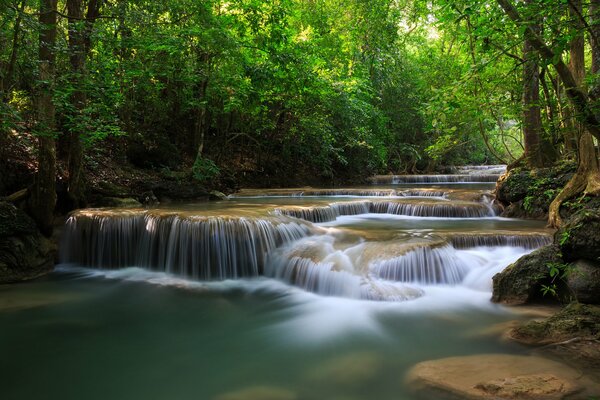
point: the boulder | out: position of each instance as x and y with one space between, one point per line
513 186
24 252
521 282
571 335
498 376
126 202
579 236
574 321
216 195
584 281
259 393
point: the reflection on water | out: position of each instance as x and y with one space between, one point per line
236 300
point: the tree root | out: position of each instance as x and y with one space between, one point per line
586 180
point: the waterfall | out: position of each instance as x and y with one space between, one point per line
190 246
443 210
527 241
315 265
424 265
456 178
440 210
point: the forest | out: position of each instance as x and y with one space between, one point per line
291 92
329 183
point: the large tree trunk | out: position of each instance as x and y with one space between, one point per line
532 120
587 177
77 55
43 196
80 29
579 99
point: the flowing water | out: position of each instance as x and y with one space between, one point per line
275 294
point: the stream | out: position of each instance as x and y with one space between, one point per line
285 294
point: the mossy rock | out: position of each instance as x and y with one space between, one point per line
513 186
521 282
528 193
579 236
575 320
24 252
584 281
127 202
14 221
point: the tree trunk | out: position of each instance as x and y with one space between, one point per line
532 120
80 30
77 55
587 176
6 80
579 99
43 196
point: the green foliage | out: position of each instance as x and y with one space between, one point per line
204 170
556 272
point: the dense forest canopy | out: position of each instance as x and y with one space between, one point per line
300 89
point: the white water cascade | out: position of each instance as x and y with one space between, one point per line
393 249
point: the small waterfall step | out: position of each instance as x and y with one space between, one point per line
194 246
450 209
494 239
310 192
421 179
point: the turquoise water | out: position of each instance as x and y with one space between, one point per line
138 335
131 333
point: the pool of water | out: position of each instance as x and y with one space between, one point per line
133 334
287 328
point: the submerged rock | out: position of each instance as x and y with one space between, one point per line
355 369
24 252
572 335
579 237
574 321
259 393
521 282
497 376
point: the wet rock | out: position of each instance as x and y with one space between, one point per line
584 281
259 393
574 321
127 202
497 376
513 186
216 195
579 237
149 198
24 252
572 335
521 282
528 193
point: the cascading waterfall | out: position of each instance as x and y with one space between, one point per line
526 241
340 193
424 265
281 242
315 265
439 210
456 178
189 246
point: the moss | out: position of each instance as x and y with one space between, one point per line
14 221
522 281
575 320
528 193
